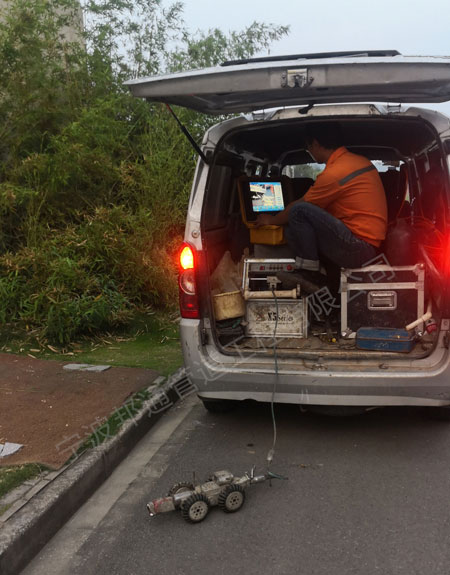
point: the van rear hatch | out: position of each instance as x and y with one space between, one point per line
248 85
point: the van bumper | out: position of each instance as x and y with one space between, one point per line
397 382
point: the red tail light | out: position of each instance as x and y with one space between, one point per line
187 258
186 283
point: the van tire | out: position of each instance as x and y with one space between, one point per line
219 405
336 410
439 413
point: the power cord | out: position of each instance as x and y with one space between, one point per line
271 452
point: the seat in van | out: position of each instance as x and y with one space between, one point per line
298 187
395 186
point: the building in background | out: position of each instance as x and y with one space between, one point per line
71 32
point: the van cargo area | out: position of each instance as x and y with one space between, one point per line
390 308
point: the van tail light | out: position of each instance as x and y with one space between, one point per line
186 282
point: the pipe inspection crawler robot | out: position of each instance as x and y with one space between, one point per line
222 489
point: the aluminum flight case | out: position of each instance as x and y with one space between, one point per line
381 296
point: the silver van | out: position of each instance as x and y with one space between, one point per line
245 336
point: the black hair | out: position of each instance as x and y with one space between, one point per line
329 135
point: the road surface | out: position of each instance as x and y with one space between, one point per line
365 495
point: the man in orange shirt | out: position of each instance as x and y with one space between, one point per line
342 218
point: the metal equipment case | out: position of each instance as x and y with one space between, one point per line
290 317
385 339
285 315
381 296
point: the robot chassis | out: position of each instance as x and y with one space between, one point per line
222 489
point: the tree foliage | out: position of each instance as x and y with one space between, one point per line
94 183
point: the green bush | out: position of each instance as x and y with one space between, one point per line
56 294
86 278
94 184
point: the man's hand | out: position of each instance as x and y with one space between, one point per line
278 219
264 220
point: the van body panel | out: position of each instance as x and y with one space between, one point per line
216 376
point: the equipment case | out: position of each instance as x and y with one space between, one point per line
381 296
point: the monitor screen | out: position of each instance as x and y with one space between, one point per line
266 196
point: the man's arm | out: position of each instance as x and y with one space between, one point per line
278 219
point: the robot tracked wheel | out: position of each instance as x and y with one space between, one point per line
232 498
195 508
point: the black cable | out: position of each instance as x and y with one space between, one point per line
271 452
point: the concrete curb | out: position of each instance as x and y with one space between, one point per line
25 533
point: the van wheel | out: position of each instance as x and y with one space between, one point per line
439 413
336 410
219 405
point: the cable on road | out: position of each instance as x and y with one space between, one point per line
271 452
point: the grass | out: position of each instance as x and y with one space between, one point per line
11 477
150 341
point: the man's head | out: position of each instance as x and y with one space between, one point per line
323 139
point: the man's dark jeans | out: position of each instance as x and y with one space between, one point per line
314 234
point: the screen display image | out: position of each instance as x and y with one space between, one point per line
266 196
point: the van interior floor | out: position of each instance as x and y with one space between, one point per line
321 344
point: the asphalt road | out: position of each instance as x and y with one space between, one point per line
366 495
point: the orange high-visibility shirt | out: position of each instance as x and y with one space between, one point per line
350 189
